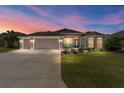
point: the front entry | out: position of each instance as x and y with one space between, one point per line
71 42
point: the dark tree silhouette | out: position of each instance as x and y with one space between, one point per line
9 38
113 44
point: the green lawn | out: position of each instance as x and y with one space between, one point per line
2 50
96 69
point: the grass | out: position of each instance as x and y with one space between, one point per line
2 49
94 70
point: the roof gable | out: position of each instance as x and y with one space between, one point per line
67 31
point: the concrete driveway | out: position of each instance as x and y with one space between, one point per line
31 69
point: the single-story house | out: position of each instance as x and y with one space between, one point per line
64 38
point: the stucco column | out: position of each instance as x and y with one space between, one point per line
32 41
85 40
22 43
61 43
95 42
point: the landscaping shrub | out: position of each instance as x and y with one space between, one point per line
113 44
65 52
16 44
74 51
80 50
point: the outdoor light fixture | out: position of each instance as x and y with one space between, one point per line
60 40
20 40
32 41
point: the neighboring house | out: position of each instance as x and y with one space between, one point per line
119 34
65 38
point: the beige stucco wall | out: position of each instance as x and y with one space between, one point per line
99 42
55 43
26 44
93 42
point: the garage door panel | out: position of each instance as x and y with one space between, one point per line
46 43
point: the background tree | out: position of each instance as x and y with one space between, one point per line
113 44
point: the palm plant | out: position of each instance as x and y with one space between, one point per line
11 37
8 39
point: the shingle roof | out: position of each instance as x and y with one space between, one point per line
67 31
55 33
92 33
64 32
21 34
48 33
119 34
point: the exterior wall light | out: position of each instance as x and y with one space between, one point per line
21 41
60 40
32 41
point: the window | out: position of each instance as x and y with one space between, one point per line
68 42
99 42
91 42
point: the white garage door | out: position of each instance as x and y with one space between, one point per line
47 43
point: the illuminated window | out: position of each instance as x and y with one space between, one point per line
68 42
99 42
91 42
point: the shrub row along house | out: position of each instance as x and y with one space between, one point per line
64 38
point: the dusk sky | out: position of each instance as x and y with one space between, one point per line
29 19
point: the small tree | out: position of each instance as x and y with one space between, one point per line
11 38
113 44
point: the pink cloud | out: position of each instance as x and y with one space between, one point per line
75 20
110 19
38 11
17 20
71 20
24 23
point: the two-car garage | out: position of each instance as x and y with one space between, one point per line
47 43
40 43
